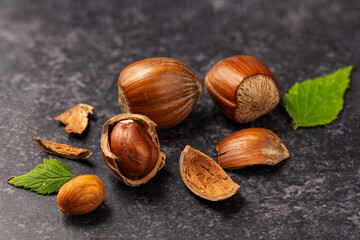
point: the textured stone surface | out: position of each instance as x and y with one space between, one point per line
55 54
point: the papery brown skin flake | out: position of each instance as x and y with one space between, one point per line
63 150
76 118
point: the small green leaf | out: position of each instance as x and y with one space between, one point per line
46 178
318 101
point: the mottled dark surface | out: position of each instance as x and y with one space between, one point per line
55 54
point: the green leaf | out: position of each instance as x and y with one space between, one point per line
318 101
46 178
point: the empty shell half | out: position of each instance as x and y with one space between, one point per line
204 177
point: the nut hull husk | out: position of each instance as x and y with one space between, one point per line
63 150
110 158
76 118
204 177
242 87
249 147
163 89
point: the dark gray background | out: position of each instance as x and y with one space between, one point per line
55 54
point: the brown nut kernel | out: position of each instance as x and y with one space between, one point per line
249 147
163 89
134 148
204 177
81 195
243 88
131 148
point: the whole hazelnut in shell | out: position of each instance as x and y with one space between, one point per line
163 89
131 149
243 88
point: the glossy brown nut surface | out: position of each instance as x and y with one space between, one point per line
137 155
242 87
127 164
249 147
81 195
163 89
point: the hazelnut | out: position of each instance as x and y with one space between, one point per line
80 195
131 149
134 148
249 147
204 177
163 89
243 88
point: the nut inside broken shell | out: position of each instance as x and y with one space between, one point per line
113 162
204 177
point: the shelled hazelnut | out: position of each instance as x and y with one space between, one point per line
81 195
131 148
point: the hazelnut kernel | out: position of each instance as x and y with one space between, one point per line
81 195
136 153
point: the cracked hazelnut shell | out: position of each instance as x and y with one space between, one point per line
127 164
163 89
249 147
243 88
204 177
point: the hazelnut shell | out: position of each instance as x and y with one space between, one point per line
110 159
243 88
249 147
163 89
204 177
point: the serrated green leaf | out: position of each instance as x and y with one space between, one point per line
46 178
318 101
